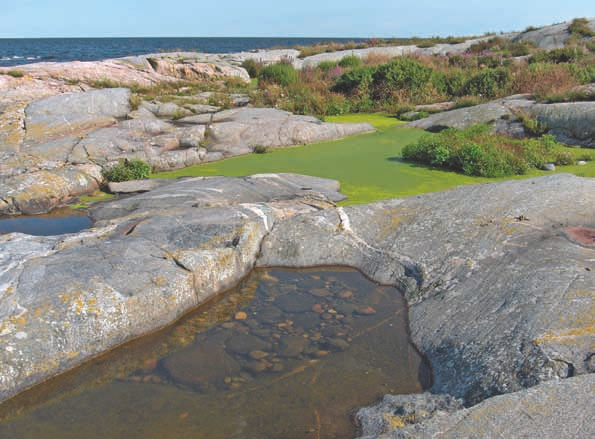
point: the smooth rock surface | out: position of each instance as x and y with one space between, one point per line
65 299
500 297
556 410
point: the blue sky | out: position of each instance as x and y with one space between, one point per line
301 18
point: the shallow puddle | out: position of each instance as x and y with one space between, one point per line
286 354
58 222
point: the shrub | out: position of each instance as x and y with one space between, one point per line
356 81
580 27
557 56
350 61
260 149
478 151
127 170
282 73
252 67
488 83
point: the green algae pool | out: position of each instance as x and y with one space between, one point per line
286 354
368 166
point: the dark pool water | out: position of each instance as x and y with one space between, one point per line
286 354
58 222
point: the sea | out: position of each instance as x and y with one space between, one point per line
19 51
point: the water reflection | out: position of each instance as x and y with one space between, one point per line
58 222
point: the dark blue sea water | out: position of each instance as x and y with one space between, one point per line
29 50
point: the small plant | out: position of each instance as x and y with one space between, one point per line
252 67
15 73
326 66
350 61
260 149
532 127
72 81
104 83
127 170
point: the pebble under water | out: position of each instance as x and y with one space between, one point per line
285 354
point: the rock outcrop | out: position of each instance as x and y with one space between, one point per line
61 143
572 123
151 257
481 267
558 409
499 278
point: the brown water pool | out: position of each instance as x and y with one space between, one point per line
285 354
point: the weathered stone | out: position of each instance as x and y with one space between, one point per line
67 114
128 187
550 37
66 299
572 122
558 409
462 257
243 344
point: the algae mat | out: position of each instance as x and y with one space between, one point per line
368 166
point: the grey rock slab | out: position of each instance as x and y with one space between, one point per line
127 187
238 131
501 113
556 410
71 113
550 37
204 192
498 292
66 299
572 122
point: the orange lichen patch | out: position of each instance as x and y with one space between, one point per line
568 335
582 235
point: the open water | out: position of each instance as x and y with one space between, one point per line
30 50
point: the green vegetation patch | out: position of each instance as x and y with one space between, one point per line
479 152
369 166
127 170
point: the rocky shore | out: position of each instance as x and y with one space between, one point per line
498 278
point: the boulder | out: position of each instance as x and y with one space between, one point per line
480 266
238 131
65 299
571 122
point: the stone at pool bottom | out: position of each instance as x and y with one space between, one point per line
287 388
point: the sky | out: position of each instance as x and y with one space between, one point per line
276 18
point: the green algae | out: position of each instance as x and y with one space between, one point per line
368 166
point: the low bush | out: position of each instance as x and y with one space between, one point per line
580 27
488 83
558 56
479 152
282 73
350 61
127 170
252 67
